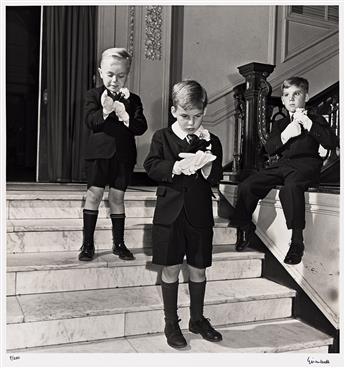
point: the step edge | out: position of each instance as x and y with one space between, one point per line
115 263
226 300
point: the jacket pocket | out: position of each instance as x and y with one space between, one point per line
161 191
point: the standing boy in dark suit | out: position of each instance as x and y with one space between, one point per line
183 218
114 116
296 140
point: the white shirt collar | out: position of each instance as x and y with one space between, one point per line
181 133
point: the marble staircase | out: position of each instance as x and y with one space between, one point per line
57 304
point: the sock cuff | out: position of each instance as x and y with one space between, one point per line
90 212
196 283
117 215
169 285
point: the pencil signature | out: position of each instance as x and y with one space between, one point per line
317 361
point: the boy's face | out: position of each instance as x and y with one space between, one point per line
189 120
293 98
114 73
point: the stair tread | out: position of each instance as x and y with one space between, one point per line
72 304
254 337
104 258
77 224
149 193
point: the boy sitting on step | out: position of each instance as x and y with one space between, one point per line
296 140
114 117
186 160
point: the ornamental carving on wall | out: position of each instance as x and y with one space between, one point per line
153 32
131 29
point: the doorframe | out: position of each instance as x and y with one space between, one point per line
39 99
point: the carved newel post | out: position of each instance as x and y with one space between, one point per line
255 75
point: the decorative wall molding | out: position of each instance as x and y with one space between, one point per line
153 32
301 68
286 23
131 29
272 34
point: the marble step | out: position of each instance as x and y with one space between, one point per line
278 336
44 235
31 273
70 204
76 316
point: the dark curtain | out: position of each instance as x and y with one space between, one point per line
71 55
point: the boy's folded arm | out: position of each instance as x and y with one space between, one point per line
93 113
216 172
156 167
137 121
274 142
322 132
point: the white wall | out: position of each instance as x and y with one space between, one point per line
218 39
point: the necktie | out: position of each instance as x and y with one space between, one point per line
192 138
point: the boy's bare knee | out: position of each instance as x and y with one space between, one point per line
170 273
94 196
116 196
196 274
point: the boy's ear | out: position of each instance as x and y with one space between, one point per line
306 97
100 72
173 111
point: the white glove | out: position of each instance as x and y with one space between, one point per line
107 103
120 111
301 117
292 130
185 166
200 159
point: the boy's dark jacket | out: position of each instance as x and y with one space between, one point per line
110 135
193 192
301 152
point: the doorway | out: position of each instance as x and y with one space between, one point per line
22 84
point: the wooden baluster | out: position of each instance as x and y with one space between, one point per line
255 74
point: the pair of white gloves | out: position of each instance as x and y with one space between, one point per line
192 162
118 107
294 129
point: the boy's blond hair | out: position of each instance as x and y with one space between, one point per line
189 94
118 53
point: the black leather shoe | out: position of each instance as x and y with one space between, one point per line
123 252
295 254
204 328
174 336
87 251
244 238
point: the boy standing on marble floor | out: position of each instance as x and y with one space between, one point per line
296 140
114 116
186 160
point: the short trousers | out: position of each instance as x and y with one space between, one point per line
171 243
101 172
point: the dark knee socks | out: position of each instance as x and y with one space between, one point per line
197 296
90 219
169 293
297 236
118 222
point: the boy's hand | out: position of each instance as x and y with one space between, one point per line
199 159
301 117
107 103
120 111
292 130
185 166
